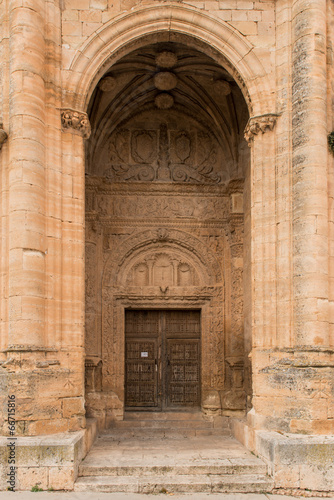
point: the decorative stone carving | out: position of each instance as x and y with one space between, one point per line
91 306
166 59
120 147
144 146
177 240
163 156
167 206
164 101
162 234
330 139
258 124
76 120
163 170
93 374
107 84
3 136
183 146
165 80
162 269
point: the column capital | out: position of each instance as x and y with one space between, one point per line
3 136
260 123
77 121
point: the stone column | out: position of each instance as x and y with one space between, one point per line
27 249
76 128
262 304
260 136
310 181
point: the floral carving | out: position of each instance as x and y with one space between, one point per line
76 120
258 124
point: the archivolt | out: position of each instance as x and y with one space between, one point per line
132 30
158 239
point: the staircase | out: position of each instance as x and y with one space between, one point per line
177 452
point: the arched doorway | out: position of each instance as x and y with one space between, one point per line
165 202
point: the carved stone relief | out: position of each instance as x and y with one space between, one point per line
163 155
156 239
167 206
91 309
3 135
77 121
166 267
162 269
257 124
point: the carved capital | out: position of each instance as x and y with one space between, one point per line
257 124
76 120
3 136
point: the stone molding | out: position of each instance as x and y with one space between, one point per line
77 121
257 124
3 136
236 50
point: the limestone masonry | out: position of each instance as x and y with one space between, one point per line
167 233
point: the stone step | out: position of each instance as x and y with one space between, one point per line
228 483
117 433
162 424
202 467
167 415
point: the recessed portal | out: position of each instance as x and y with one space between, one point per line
165 206
162 360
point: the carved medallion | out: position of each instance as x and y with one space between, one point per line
166 59
164 101
183 146
144 146
120 147
165 80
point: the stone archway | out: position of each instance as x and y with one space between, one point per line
167 153
143 25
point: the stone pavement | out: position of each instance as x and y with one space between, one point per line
45 495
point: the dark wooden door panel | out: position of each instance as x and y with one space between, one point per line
142 324
162 359
182 324
141 374
183 372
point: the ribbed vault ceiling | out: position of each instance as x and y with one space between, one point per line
174 84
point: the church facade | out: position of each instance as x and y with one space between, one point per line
167 227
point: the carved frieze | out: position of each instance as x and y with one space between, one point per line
257 124
206 208
76 121
163 155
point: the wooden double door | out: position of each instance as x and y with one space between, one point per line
162 359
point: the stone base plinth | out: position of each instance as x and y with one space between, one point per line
104 407
295 461
44 462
